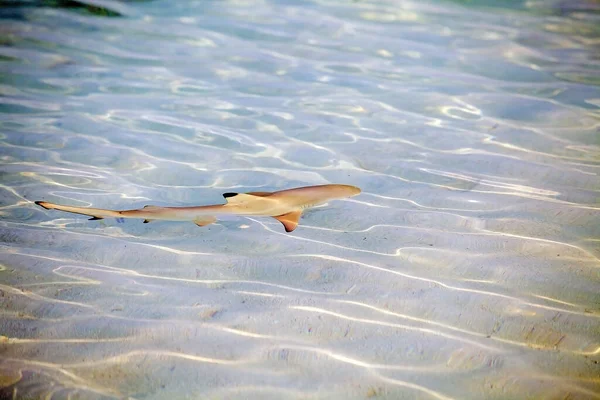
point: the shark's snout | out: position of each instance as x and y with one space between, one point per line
354 190
347 190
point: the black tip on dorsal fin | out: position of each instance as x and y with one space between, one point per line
94 219
229 194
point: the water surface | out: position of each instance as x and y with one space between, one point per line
467 268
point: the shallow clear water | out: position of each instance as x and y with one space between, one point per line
467 268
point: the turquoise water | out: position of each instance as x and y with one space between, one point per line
467 269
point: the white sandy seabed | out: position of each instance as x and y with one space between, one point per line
467 268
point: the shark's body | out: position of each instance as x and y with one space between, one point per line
286 206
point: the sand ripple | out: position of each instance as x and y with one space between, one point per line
467 268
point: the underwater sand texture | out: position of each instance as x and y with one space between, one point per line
468 268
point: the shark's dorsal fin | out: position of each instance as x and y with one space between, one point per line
289 220
239 198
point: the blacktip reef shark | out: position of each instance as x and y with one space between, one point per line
286 206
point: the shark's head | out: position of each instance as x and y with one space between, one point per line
332 192
309 196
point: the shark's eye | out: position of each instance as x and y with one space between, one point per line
229 194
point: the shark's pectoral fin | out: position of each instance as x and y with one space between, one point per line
205 221
289 220
148 220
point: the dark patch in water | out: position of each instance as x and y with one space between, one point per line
13 9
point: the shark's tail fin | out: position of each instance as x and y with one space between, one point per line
95 213
44 205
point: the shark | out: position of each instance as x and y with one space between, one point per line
286 206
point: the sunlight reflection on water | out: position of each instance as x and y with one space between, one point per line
467 268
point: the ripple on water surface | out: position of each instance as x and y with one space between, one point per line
467 268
